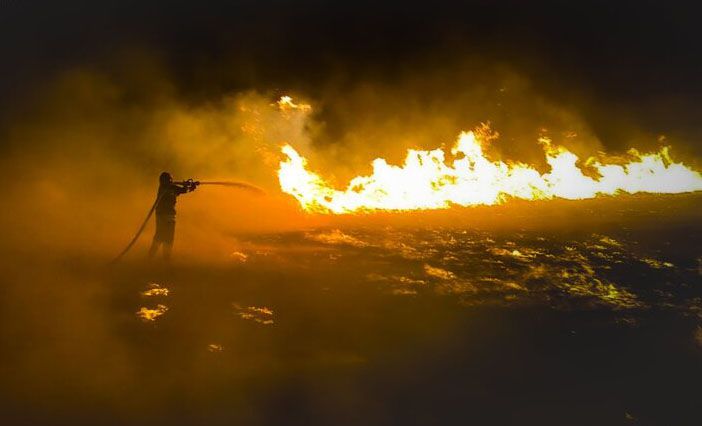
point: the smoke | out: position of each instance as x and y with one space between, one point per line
84 153
81 160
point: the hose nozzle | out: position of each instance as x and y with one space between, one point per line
189 184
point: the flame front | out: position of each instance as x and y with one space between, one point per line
427 181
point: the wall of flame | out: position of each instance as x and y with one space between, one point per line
465 176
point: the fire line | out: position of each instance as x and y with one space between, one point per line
426 180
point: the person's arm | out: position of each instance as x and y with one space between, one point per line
179 189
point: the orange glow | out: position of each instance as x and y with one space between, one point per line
285 103
464 176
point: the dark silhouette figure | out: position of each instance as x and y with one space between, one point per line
165 211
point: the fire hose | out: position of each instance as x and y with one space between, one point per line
190 185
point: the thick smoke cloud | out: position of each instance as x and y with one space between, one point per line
91 142
91 147
99 100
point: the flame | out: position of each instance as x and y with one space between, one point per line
285 103
426 180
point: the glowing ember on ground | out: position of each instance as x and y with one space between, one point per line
155 289
215 347
147 314
465 176
238 256
260 315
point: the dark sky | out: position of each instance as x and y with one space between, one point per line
642 56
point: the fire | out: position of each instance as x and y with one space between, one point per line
285 103
428 180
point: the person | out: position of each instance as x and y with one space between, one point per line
165 211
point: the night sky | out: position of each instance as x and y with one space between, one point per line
640 57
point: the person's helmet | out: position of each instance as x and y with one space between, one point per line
165 178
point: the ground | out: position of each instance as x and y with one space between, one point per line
379 321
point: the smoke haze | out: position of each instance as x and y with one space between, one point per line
276 316
91 141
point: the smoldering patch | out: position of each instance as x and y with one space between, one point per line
147 314
260 315
479 267
155 290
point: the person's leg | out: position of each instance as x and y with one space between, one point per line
169 234
161 236
153 248
167 248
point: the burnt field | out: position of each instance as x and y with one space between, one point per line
373 320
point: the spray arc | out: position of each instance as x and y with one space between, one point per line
192 184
